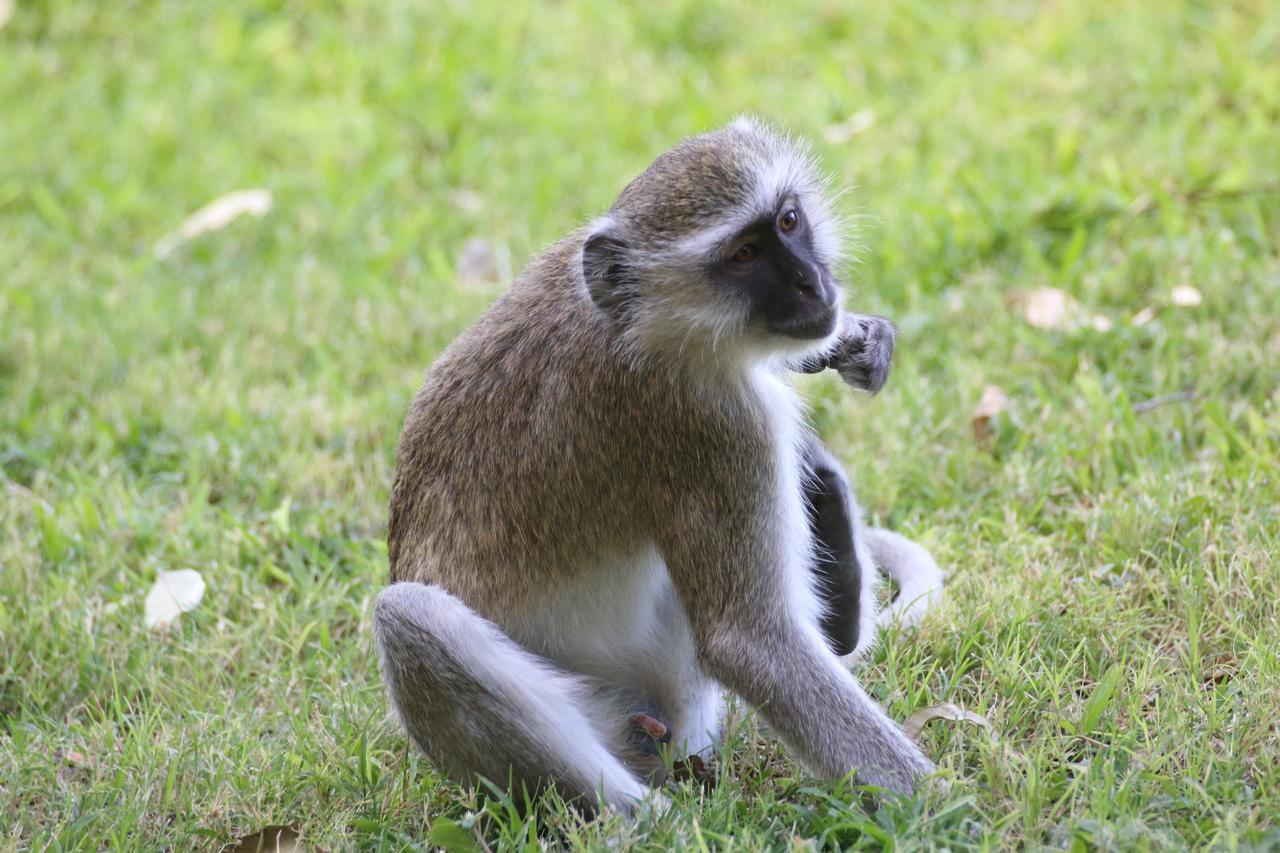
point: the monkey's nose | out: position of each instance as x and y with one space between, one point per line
807 280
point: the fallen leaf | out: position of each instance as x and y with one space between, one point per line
477 262
1222 669
1050 308
468 201
946 711
6 12
1185 296
173 594
993 402
855 125
1145 316
76 758
215 216
269 839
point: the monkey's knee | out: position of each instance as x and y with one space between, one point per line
480 705
411 622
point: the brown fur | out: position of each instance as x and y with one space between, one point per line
535 445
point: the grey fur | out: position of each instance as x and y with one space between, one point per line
597 506
863 355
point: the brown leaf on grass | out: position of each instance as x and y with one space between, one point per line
477 263
468 201
1221 669
215 216
1145 316
75 765
173 594
855 125
76 758
269 839
993 402
946 711
1051 308
1185 296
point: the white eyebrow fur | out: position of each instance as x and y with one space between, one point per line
786 169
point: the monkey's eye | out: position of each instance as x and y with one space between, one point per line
789 219
745 252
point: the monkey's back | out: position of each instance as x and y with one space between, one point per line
520 460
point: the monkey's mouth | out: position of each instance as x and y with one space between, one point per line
811 326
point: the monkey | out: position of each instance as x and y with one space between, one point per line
608 512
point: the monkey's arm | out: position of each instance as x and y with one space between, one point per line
756 634
862 353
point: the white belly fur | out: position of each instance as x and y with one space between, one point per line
622 625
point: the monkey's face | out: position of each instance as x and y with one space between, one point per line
721 249
773 267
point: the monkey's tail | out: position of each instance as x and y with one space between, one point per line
912 568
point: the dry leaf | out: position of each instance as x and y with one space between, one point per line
856 124
173 594
76 758
993 402
1049 308
269 839
477 262
215 216
1185 296
1145 316
468 201
946 711
6 12
1221 669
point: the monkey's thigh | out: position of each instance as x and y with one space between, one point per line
841 568
479 705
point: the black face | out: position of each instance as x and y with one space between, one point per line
772 264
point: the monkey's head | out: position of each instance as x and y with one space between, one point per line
723 247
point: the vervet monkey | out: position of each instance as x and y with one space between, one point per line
608 509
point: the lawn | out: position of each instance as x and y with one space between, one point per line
231 404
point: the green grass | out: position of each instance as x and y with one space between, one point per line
1112 602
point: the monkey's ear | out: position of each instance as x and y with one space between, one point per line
604 264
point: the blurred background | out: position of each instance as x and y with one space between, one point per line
1071 210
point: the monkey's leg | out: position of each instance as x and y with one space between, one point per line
912 568
749 603
478 704
759 643
844 572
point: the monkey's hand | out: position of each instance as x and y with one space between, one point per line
862 353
